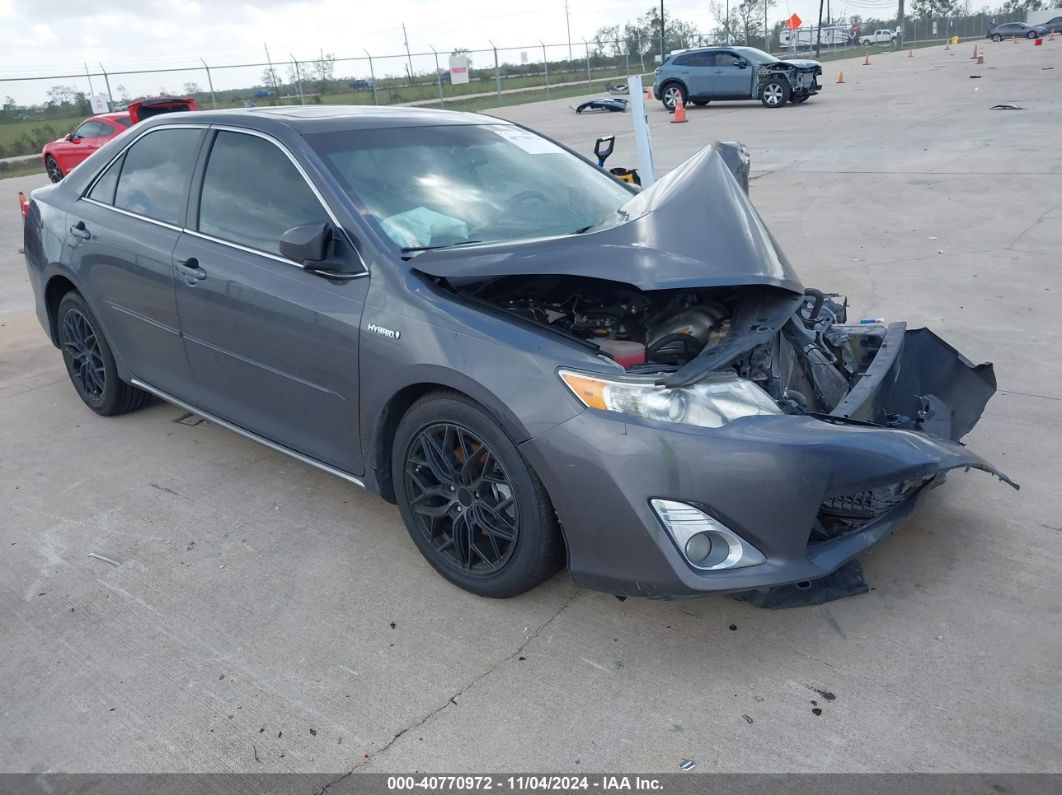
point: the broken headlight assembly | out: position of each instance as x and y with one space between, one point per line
718 399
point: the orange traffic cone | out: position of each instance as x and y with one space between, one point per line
680 112
840 77
974 56
1052 36
866 58
649 93
23 204
980 59
1013 39
910 53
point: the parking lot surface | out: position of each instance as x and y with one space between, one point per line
268 617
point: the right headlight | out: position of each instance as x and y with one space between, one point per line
711 403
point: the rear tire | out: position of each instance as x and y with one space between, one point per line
51 165
473 506
90 363
670 92
996 37
1031 34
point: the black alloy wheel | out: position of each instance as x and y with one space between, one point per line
90 363
462 498
52 167
473 506
84 359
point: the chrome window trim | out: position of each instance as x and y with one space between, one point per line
339 473
195 232
139 217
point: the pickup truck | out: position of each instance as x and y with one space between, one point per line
877 37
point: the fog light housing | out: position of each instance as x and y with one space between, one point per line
706 543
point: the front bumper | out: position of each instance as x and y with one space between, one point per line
809 493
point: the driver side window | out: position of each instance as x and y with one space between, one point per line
727 59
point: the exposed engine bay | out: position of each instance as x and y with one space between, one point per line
809 366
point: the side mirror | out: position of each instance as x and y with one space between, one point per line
70 137
741 64
307 243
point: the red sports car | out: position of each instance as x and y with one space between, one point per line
61 156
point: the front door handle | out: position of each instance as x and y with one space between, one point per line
191 271
79 231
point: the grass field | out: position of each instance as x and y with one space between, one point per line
27 137
21 168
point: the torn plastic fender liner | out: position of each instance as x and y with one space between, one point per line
918 381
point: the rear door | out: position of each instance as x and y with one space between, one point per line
121 239
732 75
273 348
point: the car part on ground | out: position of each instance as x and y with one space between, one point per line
643 372
611 104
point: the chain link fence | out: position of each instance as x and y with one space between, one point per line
35 109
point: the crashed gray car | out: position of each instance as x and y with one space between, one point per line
540 365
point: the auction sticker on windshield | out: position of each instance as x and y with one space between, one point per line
528 141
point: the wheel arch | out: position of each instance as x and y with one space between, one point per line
433 379
57 287
678 81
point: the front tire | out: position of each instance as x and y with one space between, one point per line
775 93
1031 34
473 506
51 165
671 94
90 363
996 37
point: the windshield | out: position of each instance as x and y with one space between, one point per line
430 187
756 56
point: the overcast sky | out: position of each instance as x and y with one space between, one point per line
57 36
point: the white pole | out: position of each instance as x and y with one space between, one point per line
642 142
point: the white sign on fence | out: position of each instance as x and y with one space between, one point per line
459 69
99 103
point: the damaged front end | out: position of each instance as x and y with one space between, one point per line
806 435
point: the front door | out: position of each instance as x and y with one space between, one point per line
273 348
732 75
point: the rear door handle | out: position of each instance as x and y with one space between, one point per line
79 231
191 271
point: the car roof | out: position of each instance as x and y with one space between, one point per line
331 118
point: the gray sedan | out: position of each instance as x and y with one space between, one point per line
540 365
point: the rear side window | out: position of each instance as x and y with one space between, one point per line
699 59
252 193
123 121
103 190
156 172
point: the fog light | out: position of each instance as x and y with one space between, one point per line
705 542
698 548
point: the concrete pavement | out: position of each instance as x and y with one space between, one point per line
264 609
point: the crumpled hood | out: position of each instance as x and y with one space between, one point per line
694 228
801 63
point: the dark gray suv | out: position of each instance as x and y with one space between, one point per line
537 363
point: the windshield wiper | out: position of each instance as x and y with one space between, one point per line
444 245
